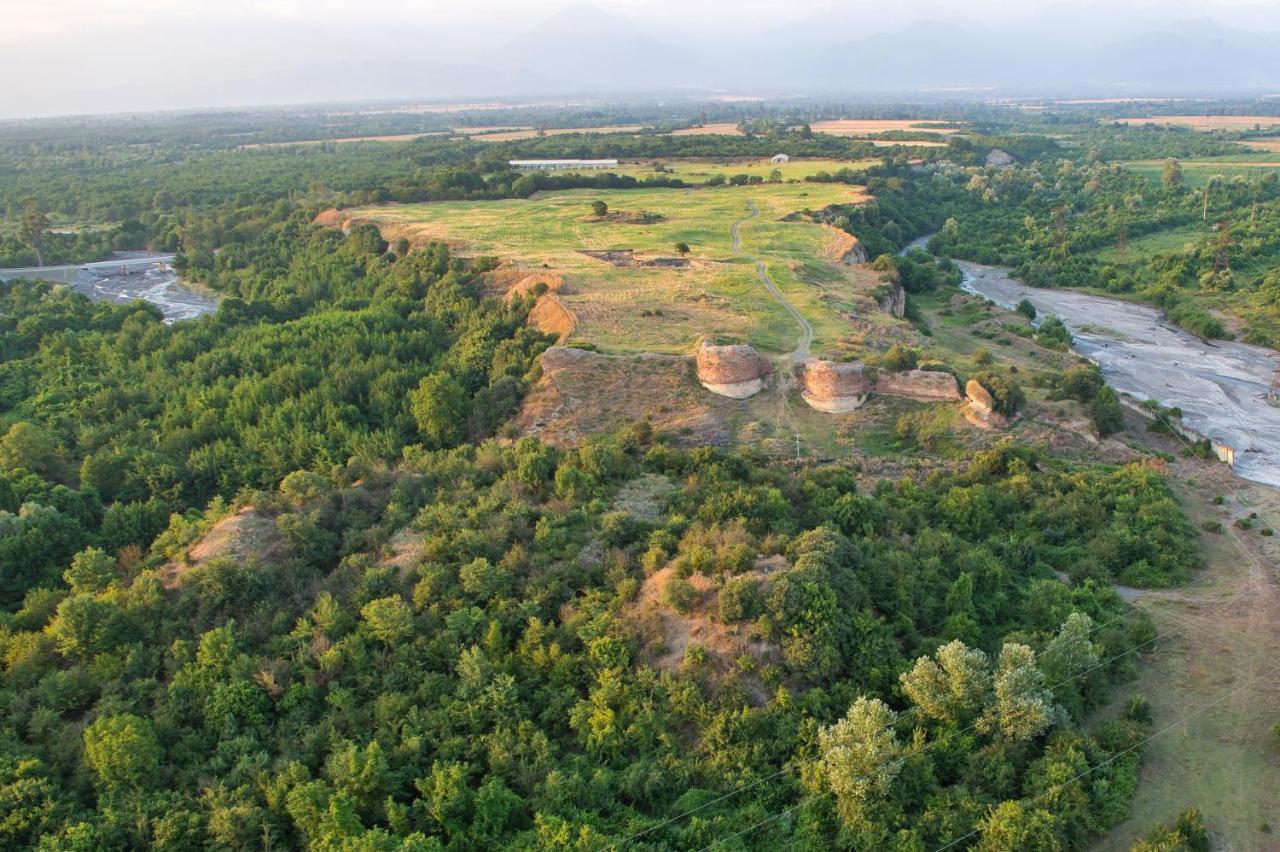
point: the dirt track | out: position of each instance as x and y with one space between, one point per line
801 352
1220 646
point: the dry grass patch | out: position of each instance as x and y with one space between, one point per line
668 636
726 128
1263 144
395 137
856 127
1207 122
531 133
247 534
585 393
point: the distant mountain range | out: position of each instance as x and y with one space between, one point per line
1065 50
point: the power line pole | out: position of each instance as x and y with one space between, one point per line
1273 395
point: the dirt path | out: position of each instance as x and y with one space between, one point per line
1224 634
801 352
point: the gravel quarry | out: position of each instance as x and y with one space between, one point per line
1221 387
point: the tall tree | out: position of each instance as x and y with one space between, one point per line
860 757
32 227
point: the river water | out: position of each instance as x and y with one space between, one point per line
130 276
1221 387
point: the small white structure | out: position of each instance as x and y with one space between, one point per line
560 165
780 159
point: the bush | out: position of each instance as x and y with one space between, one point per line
1108 415
739 600
900 357
1007 396
679 594
1052 334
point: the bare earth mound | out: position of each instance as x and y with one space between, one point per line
331 218
666 634
733 371
584 393
832 387
248 534
551 316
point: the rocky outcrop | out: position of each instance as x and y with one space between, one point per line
998 158
895 301
733 371
981 408
834 387
921 385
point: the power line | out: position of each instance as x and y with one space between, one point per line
904 715
790 766
1139 744
1136 605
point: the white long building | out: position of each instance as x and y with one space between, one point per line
561 165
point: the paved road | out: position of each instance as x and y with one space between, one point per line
801 352
46 271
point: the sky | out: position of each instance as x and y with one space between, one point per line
104 55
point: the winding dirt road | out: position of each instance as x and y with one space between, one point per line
801 352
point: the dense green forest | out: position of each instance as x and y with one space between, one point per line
455 638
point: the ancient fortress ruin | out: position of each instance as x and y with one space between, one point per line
834 387
737 371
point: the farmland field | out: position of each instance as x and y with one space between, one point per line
726 128
698 171
625 305
1198 172
858 127
1272 144
1208 122
531 133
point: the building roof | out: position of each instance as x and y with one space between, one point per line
562 162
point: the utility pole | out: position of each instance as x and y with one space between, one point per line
1273 395
798 434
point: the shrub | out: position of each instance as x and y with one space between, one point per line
679 594
900 357
739 600
1006 396
1052 334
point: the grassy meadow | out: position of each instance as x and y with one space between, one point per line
661 308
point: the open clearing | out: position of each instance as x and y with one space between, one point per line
1272 144
1198 172
1140 248
1207 122
532 133
699 171
857 127
726 128
1223 639
396 137
623 282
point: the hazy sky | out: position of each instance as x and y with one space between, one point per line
140 54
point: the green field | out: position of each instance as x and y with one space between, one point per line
662 308
1198 172
698 171
1140 248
